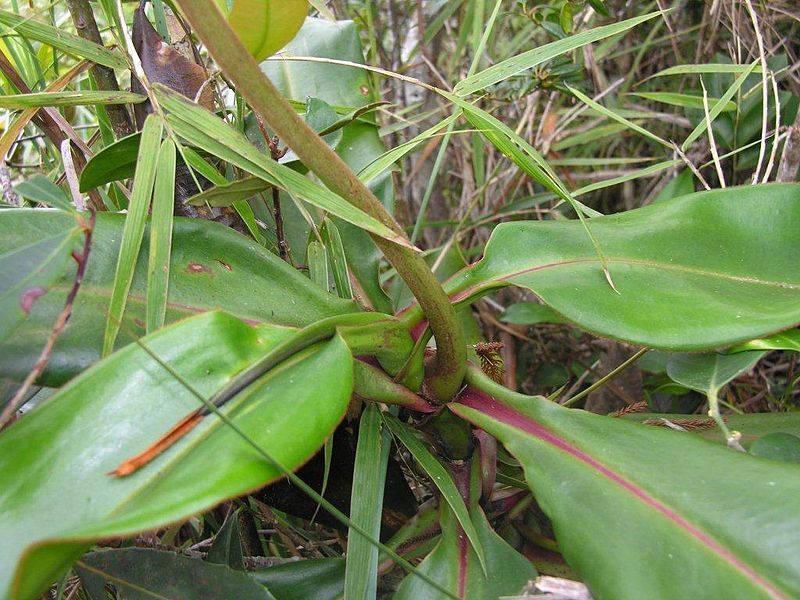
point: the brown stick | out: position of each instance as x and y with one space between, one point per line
104 77
790 158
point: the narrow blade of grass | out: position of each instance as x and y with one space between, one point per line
23 101
161 237
718 107
440 478
682 100
341 274
652 169
206 131
616 117
514 65
361 566
134 228
66 42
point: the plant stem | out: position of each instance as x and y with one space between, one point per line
86 26
240 67
605 379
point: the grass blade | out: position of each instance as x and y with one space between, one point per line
67 42
440 478
616 117
161 237
361 570
203 129
69 98
134 228
527 60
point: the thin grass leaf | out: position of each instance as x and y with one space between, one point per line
161 237
230 192
717 108
527 60
390 157
710 68
317 259
66 42
440 478
204 130
647 171
134 228
13 131
617 117
361 567
341 274
70 98
682 100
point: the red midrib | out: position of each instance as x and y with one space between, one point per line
494 409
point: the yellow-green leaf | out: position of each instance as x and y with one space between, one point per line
266 26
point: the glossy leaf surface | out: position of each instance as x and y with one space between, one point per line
714 523
211 267
454 564
57 497
319 579
707 373
265 26
143 574
701 271
28 270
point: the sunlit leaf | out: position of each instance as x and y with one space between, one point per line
64 449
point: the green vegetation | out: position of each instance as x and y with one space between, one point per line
433 299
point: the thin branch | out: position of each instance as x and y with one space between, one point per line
58 327
104 78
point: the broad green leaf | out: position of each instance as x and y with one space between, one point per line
751 425
443 482
226 548
64 448
206 131
684 100
230 192
319 579
266 26
527 60
57 38
133 231
621 494
40 189
161 237
454 565
777 446
680 185
369 475
81 98
702 271
708 373
530 313
144 574
211 266
28 270
114 162
785 340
